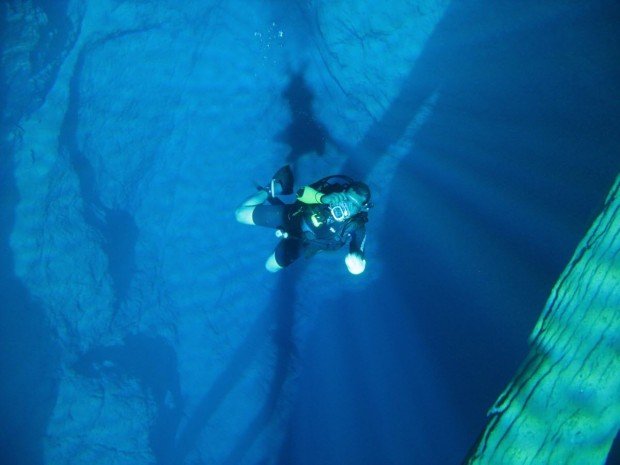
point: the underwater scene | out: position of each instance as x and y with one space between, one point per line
310 232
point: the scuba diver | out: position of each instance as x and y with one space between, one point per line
325 216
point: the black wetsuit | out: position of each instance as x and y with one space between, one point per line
310 228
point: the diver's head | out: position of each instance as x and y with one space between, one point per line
359 197
357 200
360 192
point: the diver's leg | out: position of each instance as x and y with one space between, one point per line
246 209
281 183
286 252
256 199
272 264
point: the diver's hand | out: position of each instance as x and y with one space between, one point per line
334 198
355 263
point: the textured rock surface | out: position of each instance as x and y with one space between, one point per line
145 104
563 406
355 40
129 138
34 45
98 420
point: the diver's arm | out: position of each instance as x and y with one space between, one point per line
358 241
355 261
309 196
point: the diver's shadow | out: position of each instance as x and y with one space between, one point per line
281 308
304 134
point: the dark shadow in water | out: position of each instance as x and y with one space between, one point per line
4 88
519 111
283 303
221 387
116 226
517 114
614 454
244 356
53 36
120 234
152 362
304 134
29 84
29 356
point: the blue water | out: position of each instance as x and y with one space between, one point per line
503 180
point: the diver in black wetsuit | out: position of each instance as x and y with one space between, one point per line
326 215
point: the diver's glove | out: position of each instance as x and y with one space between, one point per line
355 263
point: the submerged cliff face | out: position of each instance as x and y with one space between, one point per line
129 122
135 128
106 219
563 405
32 49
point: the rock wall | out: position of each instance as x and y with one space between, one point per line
563 405
133 126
